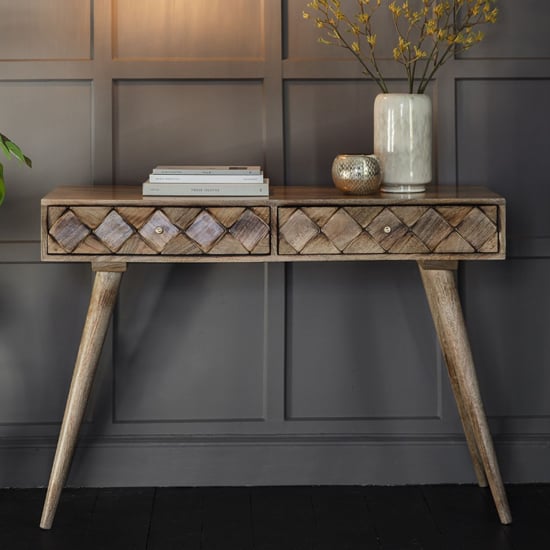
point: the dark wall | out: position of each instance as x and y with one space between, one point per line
253 374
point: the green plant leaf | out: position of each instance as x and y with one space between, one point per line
16 151
4 147
11 150
2 185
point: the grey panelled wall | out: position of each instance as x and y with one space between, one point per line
253 374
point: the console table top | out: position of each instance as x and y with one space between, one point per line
132 194
119 224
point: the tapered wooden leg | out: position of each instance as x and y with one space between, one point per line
440 286
102 301
466 422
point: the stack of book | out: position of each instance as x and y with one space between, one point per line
216 180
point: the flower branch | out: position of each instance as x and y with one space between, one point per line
428 31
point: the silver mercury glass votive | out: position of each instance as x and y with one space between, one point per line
356 174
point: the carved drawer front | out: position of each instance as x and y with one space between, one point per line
452 229
173 231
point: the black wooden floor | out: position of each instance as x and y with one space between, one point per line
298 518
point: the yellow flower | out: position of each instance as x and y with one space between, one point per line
431 27
427 33
439 10
395 9
491 17
403 44
419 53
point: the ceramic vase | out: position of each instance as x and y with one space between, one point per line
403 141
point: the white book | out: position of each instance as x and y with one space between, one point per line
207 169
206 178
206 189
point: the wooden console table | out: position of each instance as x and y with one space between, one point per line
113 226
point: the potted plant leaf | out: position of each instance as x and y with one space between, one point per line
10 149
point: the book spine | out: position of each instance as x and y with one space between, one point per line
209 170
209 189
206 178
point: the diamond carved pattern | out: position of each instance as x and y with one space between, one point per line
113 231
341 229
476 228
249 230
140 230
388 230
241 231
205 230
432 228
299 229
158 231
69 231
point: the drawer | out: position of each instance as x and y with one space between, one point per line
171 231
445 229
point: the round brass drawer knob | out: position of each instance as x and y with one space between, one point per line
387 229
159 230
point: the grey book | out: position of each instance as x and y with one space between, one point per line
207 189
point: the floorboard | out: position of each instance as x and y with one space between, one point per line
121 519
441 517
466 517
402 518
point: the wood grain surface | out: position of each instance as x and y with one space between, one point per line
292 224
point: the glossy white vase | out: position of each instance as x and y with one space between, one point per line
403 141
